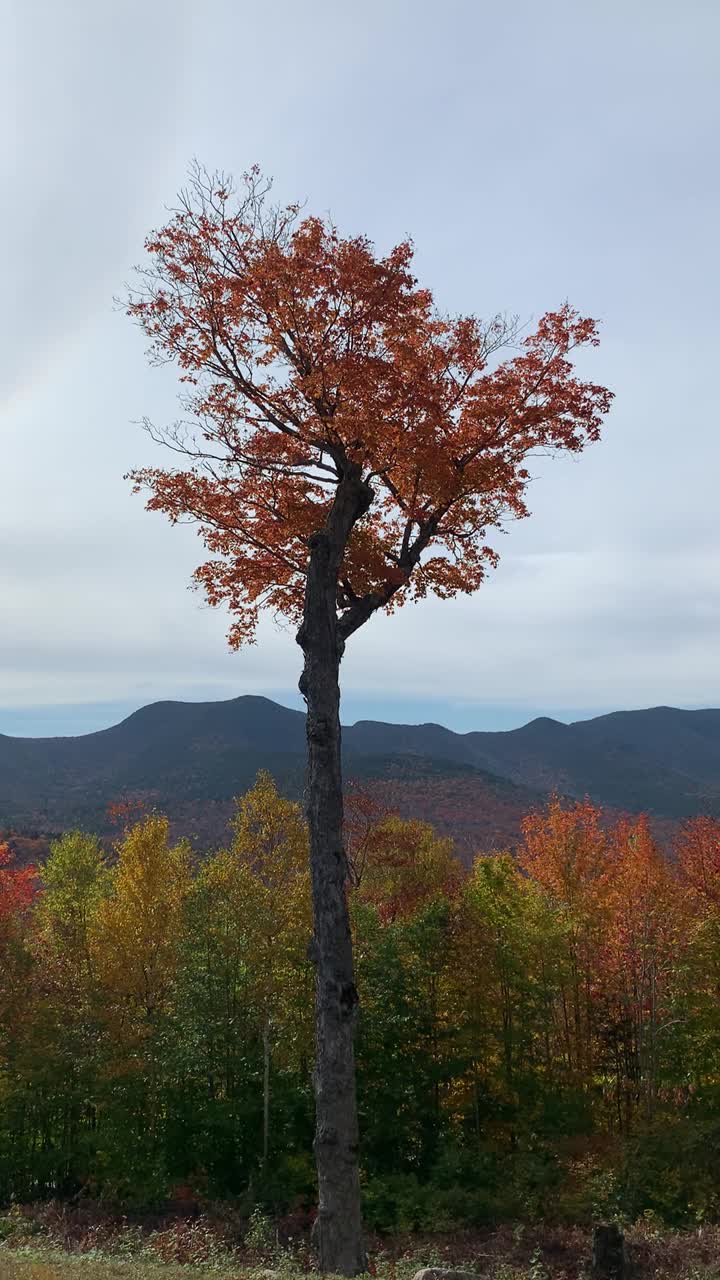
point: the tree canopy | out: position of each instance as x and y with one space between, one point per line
307 356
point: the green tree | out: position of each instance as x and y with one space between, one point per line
135 947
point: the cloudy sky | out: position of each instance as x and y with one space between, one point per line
535 152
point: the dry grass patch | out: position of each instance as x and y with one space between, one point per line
17 1267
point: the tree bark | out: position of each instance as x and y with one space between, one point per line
608 1253
339 1231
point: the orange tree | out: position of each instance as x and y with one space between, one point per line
345 448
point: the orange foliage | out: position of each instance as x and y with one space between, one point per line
698 855
126 811
364 811
646 909
396 863
308 356
17 886
568 852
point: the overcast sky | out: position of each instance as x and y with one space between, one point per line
535 152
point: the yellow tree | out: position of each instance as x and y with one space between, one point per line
136 940
75 880
257 922
137 929
63 1052
493 964
697 860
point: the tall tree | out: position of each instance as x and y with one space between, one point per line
349 449
247 981
66 1030
136 941
567 852
645 942
137 927
265 875
697 859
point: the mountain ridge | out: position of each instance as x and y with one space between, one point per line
188 757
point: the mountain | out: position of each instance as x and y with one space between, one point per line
190 759
663 760
172 754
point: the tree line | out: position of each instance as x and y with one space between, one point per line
538 1035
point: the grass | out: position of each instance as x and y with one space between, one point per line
52 1242
36 1266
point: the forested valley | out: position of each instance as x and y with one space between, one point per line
538 1036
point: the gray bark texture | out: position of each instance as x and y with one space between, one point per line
339 1231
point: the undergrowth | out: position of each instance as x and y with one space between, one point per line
54 1241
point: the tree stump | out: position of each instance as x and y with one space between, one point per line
608 1253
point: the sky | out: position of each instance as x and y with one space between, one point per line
535 153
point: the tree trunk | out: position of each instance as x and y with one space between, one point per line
339 1225
608 1253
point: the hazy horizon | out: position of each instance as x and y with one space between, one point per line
73 721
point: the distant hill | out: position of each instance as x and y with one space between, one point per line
190 759
663 761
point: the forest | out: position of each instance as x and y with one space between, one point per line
537 1039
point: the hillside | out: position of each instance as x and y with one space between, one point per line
662 760
190 759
